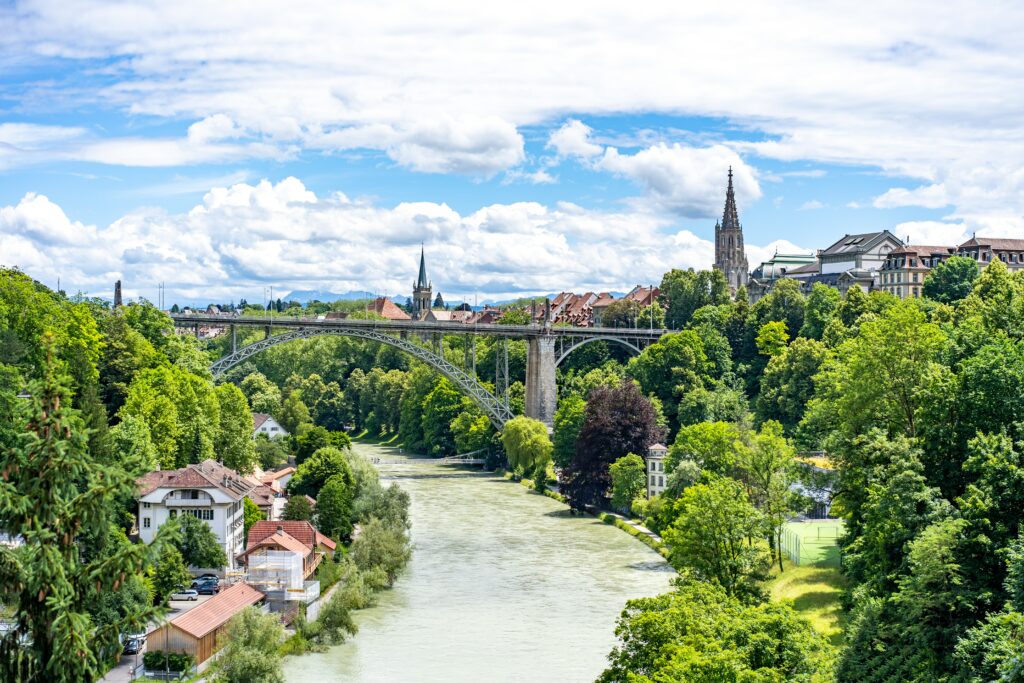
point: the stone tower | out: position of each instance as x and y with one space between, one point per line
421 291
729 255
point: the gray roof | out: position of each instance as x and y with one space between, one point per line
851 244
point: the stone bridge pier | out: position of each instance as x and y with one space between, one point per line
541 391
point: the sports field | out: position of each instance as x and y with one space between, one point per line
813 543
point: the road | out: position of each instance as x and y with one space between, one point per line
122 673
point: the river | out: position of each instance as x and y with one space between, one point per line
504 585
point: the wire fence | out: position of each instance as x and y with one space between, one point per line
815 542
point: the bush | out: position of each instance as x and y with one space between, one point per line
158 660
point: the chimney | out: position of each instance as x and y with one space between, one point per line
280 529
117 294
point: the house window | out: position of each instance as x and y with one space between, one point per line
652 466
915 277
145 522
661 481
913 262
653 480
174 513
273 429
193 495
145 506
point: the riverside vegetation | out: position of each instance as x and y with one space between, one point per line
917 403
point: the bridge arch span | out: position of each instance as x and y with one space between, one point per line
566 350
497 411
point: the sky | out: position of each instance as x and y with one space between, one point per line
530 147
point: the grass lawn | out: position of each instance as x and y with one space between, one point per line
815 592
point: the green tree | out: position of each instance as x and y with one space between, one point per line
618 421
131 438
198 544
293 413
568 421
249 649
714 446
622 313
234 443
698 634
334 508
820 309
169 573
629 480
951 280
718 536
381 547
683 292
769 469
471 429
51 488
270 453
672 366
772 338
788 382
251 514
652 316
312 474
440 407
527 445
263 395
297 508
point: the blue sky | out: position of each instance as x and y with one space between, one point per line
316 148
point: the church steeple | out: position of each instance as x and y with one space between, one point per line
422 296
421 281
730 256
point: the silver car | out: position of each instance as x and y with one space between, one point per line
184 594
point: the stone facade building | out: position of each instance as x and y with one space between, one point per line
984 250
422 291
903 273
656 474
730 257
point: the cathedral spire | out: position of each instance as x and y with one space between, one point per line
730 217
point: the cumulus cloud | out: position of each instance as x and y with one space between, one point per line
757 255
573 140
246 235
931 233
927 196
811 205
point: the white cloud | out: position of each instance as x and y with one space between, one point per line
757 255
811 205
573 140
931 233
686 180
538 177
247 235
928 196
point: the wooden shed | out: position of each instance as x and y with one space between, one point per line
195 632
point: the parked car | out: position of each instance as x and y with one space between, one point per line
206 577
133 646
206 587
184 594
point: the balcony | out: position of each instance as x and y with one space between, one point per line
188 502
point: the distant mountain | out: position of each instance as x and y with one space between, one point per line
505 302
304 296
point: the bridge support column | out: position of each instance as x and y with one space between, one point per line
541 391
234 340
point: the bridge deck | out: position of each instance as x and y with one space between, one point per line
517 331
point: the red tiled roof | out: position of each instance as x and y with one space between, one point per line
280 539
258 419
269 477
263 495
920 250
994 243
386 307
303 531
207 474
218 610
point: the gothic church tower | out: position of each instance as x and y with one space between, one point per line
729 255
421 291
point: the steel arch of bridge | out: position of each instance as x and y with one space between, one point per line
498 412
567 346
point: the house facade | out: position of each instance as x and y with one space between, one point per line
903 273
984 250
208 491
281 559
266 424
866 251
656 474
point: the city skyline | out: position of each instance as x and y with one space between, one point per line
158 145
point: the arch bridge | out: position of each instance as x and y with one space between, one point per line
548 346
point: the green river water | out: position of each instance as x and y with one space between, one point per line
504 585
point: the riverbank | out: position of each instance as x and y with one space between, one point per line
493 571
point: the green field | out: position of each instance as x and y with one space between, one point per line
815 593
813 543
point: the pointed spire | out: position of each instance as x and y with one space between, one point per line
421 281
730 217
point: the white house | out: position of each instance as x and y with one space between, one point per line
656 474
266 424
208 491
867 251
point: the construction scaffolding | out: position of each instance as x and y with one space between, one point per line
275 571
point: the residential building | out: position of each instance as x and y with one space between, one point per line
656 474
266 424
195 632
730 257
866 251
421 291
282 565
984 250
903 273
598 307
644 296
269 500
208 491
278 479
